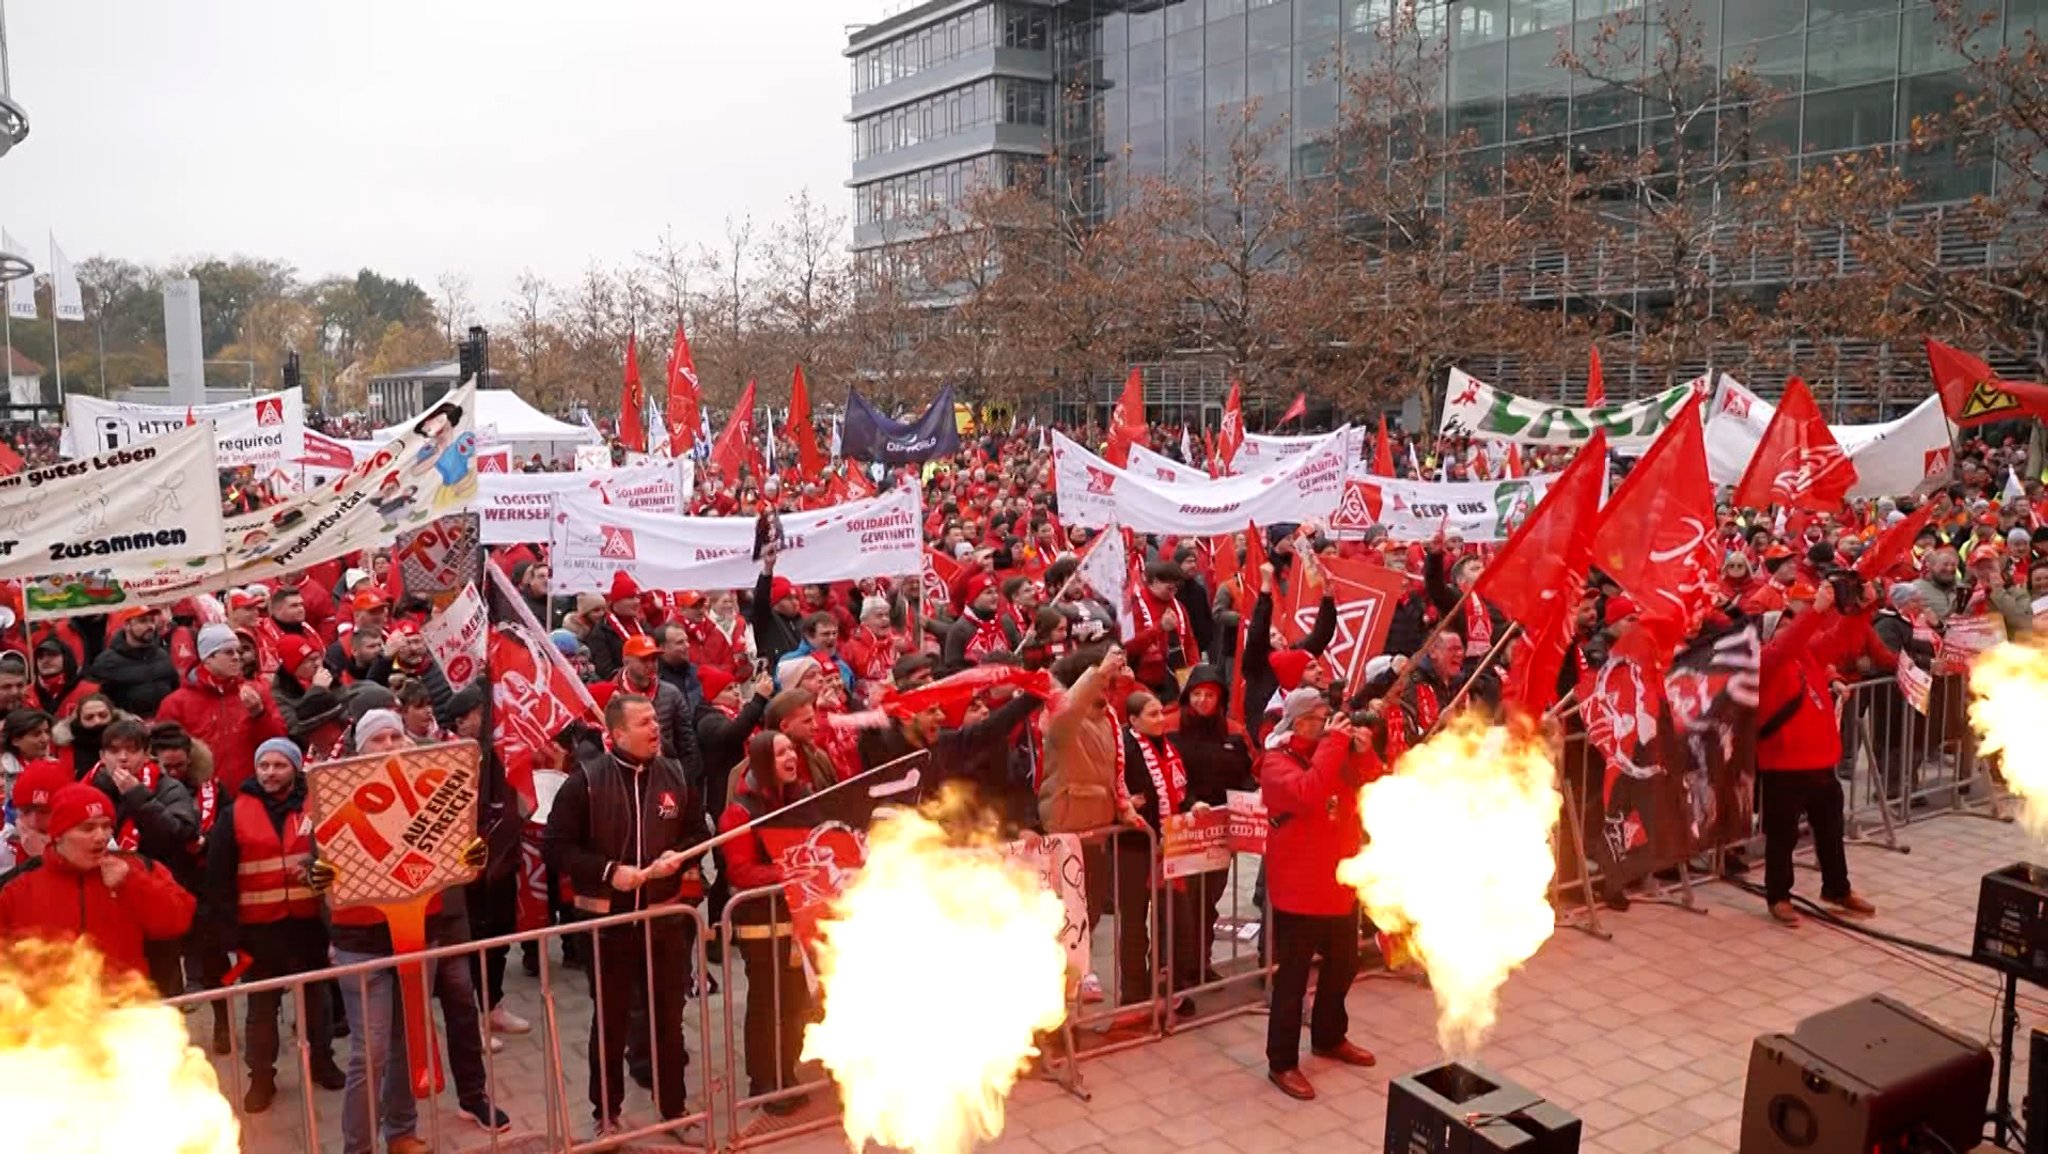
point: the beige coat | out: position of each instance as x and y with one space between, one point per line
1079 791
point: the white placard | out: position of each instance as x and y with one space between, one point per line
263 431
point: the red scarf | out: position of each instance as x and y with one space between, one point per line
1181 643
988 636
1427 708
1169 775
619 626
128 837
1478 627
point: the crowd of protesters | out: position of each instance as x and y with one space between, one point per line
154 760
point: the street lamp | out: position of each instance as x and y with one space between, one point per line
13 118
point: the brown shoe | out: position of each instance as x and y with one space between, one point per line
1351 1054
1293 1083
408 1144
1785 914
1852 904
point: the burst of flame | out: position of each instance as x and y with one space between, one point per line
925 1054
2008 699
88 1065
1459 862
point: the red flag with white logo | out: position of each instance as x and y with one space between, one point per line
1365 594
1126 421
685 399
1798 465
1230 437
1657 537
736 444
1537 578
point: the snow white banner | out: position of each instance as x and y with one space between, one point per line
867 435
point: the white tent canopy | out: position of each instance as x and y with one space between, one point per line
504 418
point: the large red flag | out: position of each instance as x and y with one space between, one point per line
810 460
1383 451
1656 538
1973 395
1365 593
1298 407
1537 578
1596 384
736 442
633 402
685 400
1798 464
1126 421
1231 437
1894 546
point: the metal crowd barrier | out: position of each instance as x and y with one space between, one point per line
1238 979
1900 765
774 948
445 971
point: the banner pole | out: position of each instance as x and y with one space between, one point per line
734 834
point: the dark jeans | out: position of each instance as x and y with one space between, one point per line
276 949
778 1008
1133 885
619 982
1297 940
1785 796
493 913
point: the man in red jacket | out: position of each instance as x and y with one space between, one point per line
216 706
1311 771
80 888
1799 744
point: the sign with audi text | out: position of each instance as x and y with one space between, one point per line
393 825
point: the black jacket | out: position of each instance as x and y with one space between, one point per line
306 709
977 755
166 821
1217 760
722 742
438 690
774 634
1413 616
611 813
1195 609
137 680
1255 667
607 650
1897 634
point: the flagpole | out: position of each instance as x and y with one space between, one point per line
734 834
57 348
1485 663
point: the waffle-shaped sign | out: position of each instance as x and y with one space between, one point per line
394 824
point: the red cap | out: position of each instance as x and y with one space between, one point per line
1801 590
1777 553
978 584
403 627
369 600
641 646
780 588
715 680
74 805
292 652
1620 609
38 784
1288 666
623 587
120 618
688 598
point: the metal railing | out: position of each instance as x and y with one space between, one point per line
1900 765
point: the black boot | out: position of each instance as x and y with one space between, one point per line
327 1075
223 1040
262 1092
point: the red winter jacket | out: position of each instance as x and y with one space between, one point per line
47 899
1798 666
212 711
1311 793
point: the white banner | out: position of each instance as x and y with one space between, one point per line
134 513
455 637
1056 859
1094 493
1261 451
1474 511
66 303
264 431
1157 466
880 537
1892 459
517 507
593 458
1473 408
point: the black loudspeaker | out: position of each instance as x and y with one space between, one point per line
1458 1108
1871 1075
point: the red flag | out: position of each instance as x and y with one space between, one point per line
11 462
810 460
1515 460
1365 593
955 693
1298 407
1126 421
1894 546
1973 395
1383 451
1254 566
684 397
536 691
1231 437
1537 578
1657 536
1798 464
1596 386
190 418
633 402
736 443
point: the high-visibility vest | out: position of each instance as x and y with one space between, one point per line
270 881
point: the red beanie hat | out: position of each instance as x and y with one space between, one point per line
623 587
292 651
978 583
779 588
714 680
38 784
74 805
1620 608
1288 666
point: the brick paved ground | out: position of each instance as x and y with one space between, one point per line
1646 1037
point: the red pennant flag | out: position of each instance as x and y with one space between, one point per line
1596 385
1298 407
1537 578
810 460
1126 421
1973 395
1254 566
1798 464
1230 438
190 418
1657 537
10 461
1514 460
1383 451
633 402
685 399
1894 546
736 442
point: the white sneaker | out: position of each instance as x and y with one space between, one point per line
504 1021
1091 988
497 1044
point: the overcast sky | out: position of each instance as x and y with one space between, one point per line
417 136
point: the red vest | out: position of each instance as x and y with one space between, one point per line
270 882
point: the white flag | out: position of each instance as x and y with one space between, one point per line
2014 491
835 454
67 305
768 443
1104 571
21 293
1187 446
